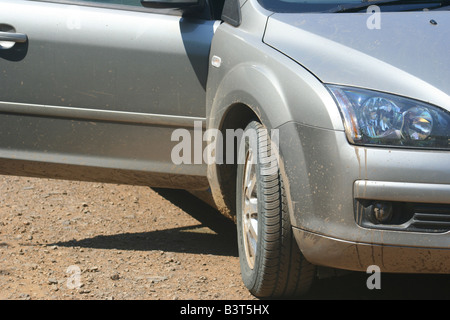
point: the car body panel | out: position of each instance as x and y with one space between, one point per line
322 183
341 49
357 256
100 87
105 59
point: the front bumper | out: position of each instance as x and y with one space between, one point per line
358 256
326 178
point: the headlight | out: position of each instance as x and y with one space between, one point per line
374 118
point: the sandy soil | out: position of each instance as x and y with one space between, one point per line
78 240
66 240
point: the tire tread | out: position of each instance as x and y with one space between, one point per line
284 271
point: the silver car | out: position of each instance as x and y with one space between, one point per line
329 120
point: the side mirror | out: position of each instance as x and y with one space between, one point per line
231 12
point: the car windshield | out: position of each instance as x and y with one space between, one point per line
293 6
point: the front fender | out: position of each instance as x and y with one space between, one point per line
255 87
274 87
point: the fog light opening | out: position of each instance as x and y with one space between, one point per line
381 212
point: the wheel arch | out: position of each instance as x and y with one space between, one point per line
247 92
223 187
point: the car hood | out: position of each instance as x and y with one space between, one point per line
408 55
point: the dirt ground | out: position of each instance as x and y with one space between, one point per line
79 240
66 240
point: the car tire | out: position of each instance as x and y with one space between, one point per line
272 265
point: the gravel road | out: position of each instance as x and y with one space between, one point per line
65 240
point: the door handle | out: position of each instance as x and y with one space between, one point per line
13 37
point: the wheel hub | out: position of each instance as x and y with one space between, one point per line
250 209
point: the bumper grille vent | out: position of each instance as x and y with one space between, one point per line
430 218
414 217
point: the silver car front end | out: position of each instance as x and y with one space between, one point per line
335 188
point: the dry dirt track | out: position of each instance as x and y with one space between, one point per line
77 240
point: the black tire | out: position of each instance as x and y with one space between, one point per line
272 265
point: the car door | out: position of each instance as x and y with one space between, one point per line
100 85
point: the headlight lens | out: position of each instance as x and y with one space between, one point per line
374 118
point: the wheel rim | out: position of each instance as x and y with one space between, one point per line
250 209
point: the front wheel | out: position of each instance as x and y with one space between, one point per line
272 265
